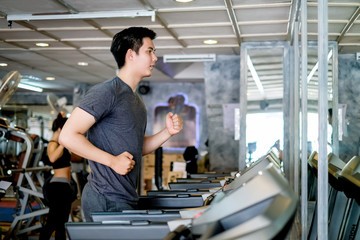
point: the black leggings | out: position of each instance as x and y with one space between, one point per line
60 199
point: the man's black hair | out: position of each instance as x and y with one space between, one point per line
129 38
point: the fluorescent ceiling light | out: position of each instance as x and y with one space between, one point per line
3 64
189 58
29 87
184 1
82 15
315 68
50 78
255 75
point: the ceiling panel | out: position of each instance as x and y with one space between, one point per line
105 5
254 14
203 32
64 35
22 35
188 17
181 29
264 28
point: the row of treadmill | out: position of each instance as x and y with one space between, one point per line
343 198
256 203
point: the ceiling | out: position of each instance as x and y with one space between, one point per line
77 31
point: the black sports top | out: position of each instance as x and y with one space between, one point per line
63 161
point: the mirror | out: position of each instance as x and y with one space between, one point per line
313 96
265 91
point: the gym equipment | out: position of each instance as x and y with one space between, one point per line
267 194
119 230
8 86
267 211
338 202
179 197
208 175
185 180
184 199
169 201
29 194
177 191
175 198
200 185
349 177
151 215
184 213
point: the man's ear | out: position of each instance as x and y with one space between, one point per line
130 54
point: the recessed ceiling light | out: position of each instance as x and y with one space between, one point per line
184 1
210 41
83 63
3 64
42 44
50 78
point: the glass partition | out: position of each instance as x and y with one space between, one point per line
313 94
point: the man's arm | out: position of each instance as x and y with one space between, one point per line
174 124
73 138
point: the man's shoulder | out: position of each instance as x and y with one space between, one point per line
105 86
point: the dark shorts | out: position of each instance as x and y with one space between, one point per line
91 201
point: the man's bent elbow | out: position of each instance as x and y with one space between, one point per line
62 139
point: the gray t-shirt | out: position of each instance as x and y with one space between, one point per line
120 116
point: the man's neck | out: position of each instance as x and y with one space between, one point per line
128 78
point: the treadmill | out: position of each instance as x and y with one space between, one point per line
232 207
171 201
337 199
267 211
177 191
203 184
178 198
350 179
185 212
209 175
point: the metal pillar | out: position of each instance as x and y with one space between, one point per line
335 101
304 120
287 159
322 205
243 107
296 154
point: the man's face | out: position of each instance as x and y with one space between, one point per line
145 60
